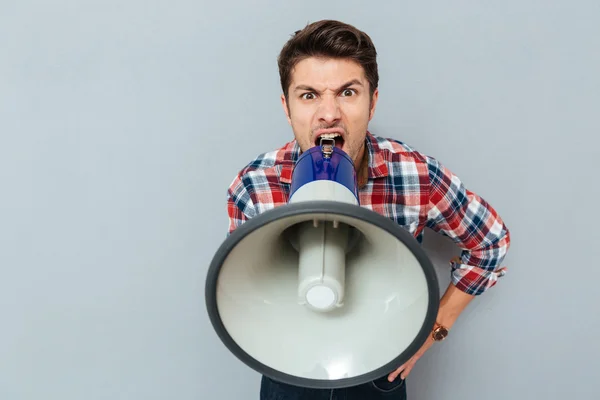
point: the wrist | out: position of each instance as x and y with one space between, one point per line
439 332
452 304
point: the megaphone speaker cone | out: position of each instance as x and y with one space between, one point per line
322 293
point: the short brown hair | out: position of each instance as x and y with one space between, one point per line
328 38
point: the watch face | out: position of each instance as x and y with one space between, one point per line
440 333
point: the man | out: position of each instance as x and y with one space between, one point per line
329 80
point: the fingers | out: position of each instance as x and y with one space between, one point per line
402 371
394 375
407 371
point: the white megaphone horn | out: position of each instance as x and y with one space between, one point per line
322 292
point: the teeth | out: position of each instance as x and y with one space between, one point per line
330 135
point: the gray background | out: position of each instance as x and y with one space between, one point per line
123 122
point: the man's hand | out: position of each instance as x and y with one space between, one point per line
405 369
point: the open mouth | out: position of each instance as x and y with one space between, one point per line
330 139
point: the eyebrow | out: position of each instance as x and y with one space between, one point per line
344 86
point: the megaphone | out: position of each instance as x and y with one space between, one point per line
322 292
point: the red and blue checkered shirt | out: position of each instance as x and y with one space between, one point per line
411 188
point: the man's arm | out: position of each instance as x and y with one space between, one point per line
478 230
473 224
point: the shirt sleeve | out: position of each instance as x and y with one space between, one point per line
240 206
472 224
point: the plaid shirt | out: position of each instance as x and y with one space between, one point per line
412 189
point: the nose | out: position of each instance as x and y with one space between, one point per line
329 110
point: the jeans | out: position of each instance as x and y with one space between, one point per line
379 389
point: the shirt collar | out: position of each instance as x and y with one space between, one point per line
376 163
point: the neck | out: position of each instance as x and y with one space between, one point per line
362 166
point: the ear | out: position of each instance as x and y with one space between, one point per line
286 109
373 103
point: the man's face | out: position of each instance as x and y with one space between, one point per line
330 97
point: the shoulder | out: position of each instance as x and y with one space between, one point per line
269 163
262 174
402 159
266 162
393 150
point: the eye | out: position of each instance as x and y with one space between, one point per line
348 92
307 96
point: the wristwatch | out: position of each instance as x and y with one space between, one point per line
439 332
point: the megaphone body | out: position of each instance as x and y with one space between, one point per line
322 292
